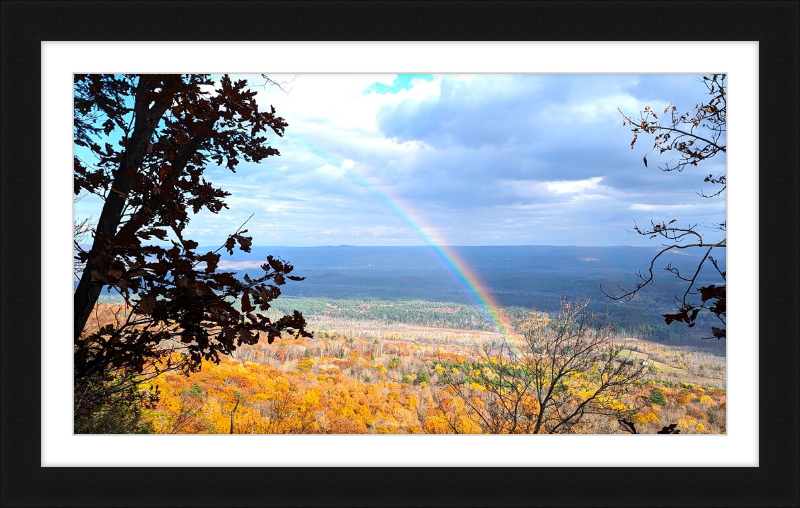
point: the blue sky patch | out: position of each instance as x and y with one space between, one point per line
401 82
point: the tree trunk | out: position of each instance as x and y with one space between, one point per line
146 120
232 413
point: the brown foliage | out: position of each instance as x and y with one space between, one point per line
152 137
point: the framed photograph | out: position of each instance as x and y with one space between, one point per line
328 50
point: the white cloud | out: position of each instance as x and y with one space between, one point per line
337 99
327 168
642 207
572 186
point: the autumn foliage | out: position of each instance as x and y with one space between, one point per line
143 143
352 383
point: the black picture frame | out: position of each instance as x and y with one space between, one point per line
26 24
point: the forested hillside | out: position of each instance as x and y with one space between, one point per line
378 368
390 380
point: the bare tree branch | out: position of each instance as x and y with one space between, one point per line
700 136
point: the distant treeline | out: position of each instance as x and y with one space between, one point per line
409 312
627 321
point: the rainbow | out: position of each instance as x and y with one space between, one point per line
448 256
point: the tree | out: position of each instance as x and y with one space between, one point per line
112 403
150 138
658 397
567 369
695 136
188 419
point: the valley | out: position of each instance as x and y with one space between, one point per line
401 345
365 375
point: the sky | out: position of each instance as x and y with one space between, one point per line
486 159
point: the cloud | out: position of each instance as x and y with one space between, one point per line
572 186
663 207
504 159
